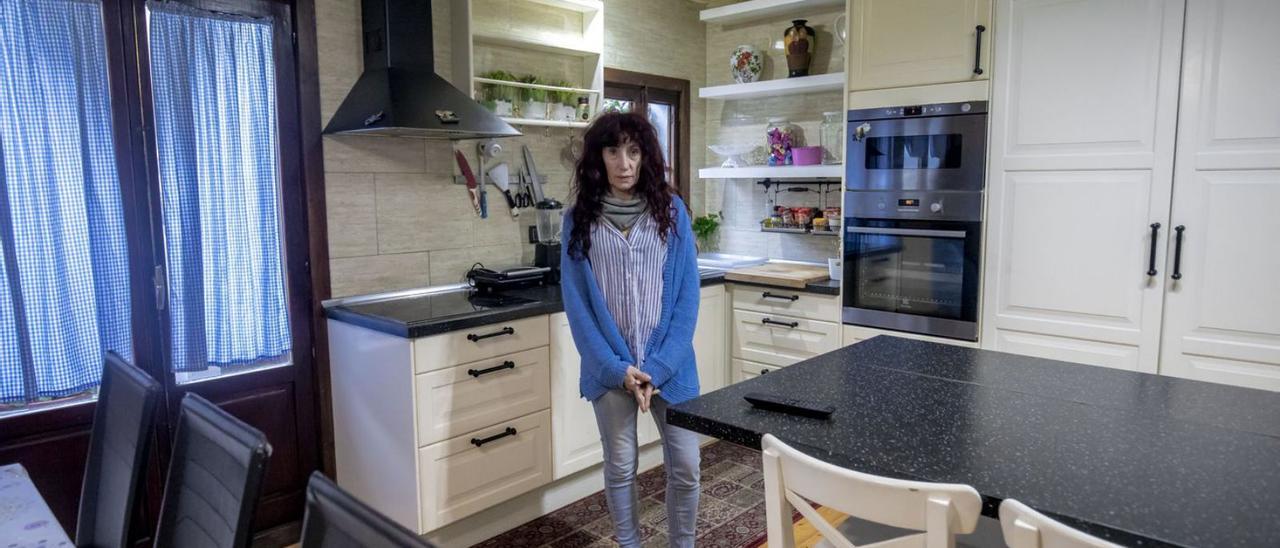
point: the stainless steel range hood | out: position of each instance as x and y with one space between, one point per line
399 93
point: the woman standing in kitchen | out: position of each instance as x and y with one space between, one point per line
630 284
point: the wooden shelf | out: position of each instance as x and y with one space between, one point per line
817 83
772 172
579 48
755 10
544 123
584 6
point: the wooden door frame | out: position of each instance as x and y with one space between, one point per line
638 80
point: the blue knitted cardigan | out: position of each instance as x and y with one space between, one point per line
669 353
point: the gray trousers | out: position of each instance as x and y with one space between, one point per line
616 414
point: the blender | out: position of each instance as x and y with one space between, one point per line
547 249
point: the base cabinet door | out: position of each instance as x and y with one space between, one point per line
898 43
743 370
711 339
1222 313
575 438
469 473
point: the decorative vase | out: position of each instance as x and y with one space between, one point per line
798 41
745 64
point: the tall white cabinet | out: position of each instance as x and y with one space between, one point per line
1085 137
898 43
1081 156
1222 316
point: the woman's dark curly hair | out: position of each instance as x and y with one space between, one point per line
591 181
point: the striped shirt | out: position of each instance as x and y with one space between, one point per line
628 270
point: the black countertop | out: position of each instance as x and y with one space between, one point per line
1135 458
426 315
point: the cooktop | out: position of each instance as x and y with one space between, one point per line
438 306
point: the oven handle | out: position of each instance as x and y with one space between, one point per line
907 232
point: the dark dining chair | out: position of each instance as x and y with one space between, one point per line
215 476
335 519
118 446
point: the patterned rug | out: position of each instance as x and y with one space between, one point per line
730 511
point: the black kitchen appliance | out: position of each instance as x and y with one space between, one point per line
546 252
489 281
913 218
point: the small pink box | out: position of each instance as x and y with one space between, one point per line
806 156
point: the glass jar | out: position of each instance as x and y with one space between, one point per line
831 136
780 138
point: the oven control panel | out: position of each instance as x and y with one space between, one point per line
950 206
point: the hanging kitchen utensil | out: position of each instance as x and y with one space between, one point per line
532 169
500 176
472 188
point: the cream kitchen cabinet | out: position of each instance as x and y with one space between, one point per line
1222 313
900 43
711 338
772 328
434 429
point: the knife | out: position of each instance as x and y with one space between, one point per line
500 175
532 169
472 188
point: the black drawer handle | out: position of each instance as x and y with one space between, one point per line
505 365
504 331
768 295
770 321
1151 263
764 371
481 441
1177 252
977 50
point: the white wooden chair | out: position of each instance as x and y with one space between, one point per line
1026 528
792 479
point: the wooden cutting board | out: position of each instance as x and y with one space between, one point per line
783 275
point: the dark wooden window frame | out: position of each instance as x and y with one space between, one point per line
639 86
55 438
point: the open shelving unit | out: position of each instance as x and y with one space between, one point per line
755 10
817 83
832 171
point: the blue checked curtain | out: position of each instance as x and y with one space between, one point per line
64 288
213 86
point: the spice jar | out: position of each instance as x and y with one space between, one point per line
780 138
804 215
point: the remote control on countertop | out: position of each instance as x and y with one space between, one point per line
792 406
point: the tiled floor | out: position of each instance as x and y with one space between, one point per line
730 512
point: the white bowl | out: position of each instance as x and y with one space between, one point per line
732 153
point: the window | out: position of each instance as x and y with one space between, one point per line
666 103
64 282
213 89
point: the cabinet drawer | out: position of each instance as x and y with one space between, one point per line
455 401
743 370
478 343
781 340
787 301
458 479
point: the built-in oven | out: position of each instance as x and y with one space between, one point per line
913 219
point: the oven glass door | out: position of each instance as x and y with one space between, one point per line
936 153
920 268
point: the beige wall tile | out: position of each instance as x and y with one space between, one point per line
352 215
378 273
448 266
363 154
422 213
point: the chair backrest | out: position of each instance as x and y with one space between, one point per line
118 444
1024 527
335 519
215 476
792 479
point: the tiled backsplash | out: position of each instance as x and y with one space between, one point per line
396 220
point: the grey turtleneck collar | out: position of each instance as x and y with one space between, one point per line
623 214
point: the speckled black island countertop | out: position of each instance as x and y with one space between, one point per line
1135 458
424 315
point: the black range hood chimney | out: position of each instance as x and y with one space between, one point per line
399 93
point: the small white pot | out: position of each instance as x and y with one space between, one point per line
534 110
835 267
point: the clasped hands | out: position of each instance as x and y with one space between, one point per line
637 383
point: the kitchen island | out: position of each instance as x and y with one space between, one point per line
1135 458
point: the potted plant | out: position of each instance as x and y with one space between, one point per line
534 106
706 231
503 97
563 103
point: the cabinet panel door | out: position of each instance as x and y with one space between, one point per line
479 394
897 43
781 340
711 339
1222 317
1081 163
575 438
